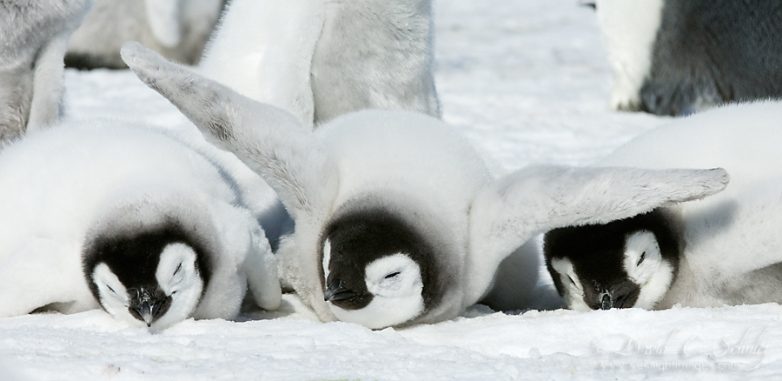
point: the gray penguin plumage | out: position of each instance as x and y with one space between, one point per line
178 29
321 59
685 56
33 36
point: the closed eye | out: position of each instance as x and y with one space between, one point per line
571 280
111 289
641 259
393 275
177 269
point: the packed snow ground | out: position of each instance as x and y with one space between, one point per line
528 82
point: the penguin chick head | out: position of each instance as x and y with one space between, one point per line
377 271
153 279
621 264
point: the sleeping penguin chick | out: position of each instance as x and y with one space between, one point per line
377 270
722 250
398 220
622 264
129 219
150 277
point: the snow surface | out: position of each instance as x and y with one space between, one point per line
528 82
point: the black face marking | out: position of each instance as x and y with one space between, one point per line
134 257
361 237
597 255
711 52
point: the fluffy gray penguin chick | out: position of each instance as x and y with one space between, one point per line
34 36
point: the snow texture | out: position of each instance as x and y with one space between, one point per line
527 82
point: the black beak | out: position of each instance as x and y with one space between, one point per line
606 303
336 291
620 295
147 306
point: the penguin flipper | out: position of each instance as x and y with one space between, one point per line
536 199
269 140
260 266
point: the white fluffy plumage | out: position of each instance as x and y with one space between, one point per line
629 30
413 165
321 59
732 248
66 184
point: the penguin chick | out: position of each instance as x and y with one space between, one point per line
129 219
34 36
151 273
722 250
398 220
622 264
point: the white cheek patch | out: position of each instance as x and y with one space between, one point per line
654 291
112 294
641 243
629 28
407 282
396 285
653 274
177 266
178 277
574 294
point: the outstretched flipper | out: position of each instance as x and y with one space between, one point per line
537 199
269 140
